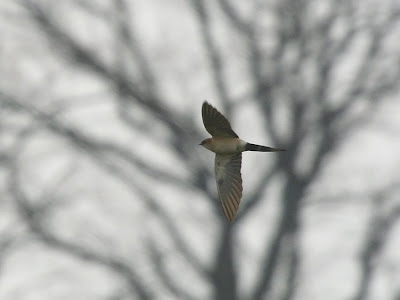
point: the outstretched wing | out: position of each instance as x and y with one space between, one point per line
229 183
215 123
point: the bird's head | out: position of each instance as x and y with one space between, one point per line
206 143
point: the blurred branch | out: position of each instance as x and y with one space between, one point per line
34 216
181 126
234 17
168 280
67 47
10 242
269 264
96 152
213 54
286 231
88 144
294 61
359 88
293 262
126 37
224 272
382 222
256 194
94 10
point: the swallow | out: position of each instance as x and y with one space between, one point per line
228 148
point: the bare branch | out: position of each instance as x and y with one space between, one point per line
376 237
213 53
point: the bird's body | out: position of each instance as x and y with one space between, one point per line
228 148
225 145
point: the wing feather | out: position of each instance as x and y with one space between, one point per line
229 183
215 123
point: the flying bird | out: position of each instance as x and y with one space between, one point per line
228 148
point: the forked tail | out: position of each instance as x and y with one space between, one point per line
253 147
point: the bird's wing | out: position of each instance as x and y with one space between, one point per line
229 183
215 123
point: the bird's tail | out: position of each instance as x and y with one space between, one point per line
253 147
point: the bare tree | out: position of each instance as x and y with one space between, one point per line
137 200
